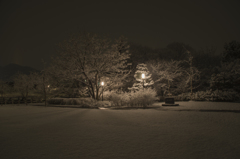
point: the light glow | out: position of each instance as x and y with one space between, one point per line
102 83
143 76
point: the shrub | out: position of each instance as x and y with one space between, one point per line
57 101
181 97
107 94
216 95
119 99
202 95
229 95
143 98
138 98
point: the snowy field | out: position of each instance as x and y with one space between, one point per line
33 132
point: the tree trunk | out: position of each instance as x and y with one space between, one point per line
26 95
97 87
44 92
2 95
2 98
168 87
191 88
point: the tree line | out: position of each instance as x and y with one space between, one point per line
86 60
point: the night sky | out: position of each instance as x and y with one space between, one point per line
30 30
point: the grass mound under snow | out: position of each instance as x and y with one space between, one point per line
82 102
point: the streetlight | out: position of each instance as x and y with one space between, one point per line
102 83
143 76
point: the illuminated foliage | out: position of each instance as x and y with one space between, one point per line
146 81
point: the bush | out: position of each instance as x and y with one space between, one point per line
229 95
138 98
57 101
119 99
209 95
182 97
203 95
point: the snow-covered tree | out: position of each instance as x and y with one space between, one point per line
89 59
192 72
142 82
166 73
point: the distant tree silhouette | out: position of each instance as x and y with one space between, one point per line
174 51
24 84
4 89
228 76
231 51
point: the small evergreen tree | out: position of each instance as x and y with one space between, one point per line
140 82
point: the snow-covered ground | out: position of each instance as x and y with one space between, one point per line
51 132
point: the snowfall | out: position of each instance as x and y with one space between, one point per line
190 131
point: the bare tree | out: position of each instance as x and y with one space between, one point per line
24 84
4 89
90 59
192 72
42 81
166 72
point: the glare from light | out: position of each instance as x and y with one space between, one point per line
102 83
143 76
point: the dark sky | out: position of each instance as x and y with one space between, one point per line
30 30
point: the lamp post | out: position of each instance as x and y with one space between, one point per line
143 76
102 83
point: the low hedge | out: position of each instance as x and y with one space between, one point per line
142 98
210 95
